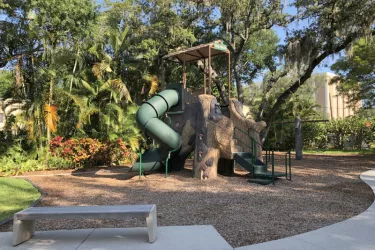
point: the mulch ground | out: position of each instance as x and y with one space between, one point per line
324 190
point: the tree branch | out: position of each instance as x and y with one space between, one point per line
292 89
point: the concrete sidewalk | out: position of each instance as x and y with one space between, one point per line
357 233
170 238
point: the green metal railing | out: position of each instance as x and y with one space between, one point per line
266 145
273 167
270 154
238 139
140 161
253 157
166 162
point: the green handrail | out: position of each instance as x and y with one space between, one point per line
169 156
270 155
140 161
265 145
253 155
273 167
288 163
234 136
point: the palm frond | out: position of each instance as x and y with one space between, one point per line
154 83
98 69
95 50
118 86
51 117
87 86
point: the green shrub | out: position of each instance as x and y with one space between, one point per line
59 163
16 161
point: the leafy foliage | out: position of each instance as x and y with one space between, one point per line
97 64
356 74
334 134
91 152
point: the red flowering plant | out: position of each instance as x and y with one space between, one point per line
91 152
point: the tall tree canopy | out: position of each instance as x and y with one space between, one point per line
92 63
356 73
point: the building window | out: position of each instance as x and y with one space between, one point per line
2 118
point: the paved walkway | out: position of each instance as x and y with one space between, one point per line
170 238
357 233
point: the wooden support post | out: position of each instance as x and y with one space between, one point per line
204 75
184 72
209 70
228 75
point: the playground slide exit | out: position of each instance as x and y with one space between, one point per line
148 120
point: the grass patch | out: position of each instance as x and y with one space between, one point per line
15 195
341 152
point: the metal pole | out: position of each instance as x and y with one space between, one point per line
286 167
166 165
140 161
209 70
290 167
228 75
273 167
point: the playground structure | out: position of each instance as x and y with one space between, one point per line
220 135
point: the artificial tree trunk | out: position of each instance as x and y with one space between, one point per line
214 138
206 155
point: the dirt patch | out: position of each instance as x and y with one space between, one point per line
324 190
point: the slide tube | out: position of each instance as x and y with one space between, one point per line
148 120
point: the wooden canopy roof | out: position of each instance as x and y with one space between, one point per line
198 52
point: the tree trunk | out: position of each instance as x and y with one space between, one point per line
74 71
265 134
270 83
299 143
238 81
215 78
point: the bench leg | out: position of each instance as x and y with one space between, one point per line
152 225
22 230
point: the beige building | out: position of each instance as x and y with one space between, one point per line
332 104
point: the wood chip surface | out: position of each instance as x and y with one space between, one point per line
324 190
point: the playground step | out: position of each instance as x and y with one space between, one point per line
244 155
269 174
260 181
244 159
260 169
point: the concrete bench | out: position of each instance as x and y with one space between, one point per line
24 221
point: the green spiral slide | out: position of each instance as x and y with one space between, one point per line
148 120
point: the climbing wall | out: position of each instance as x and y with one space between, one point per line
213 137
